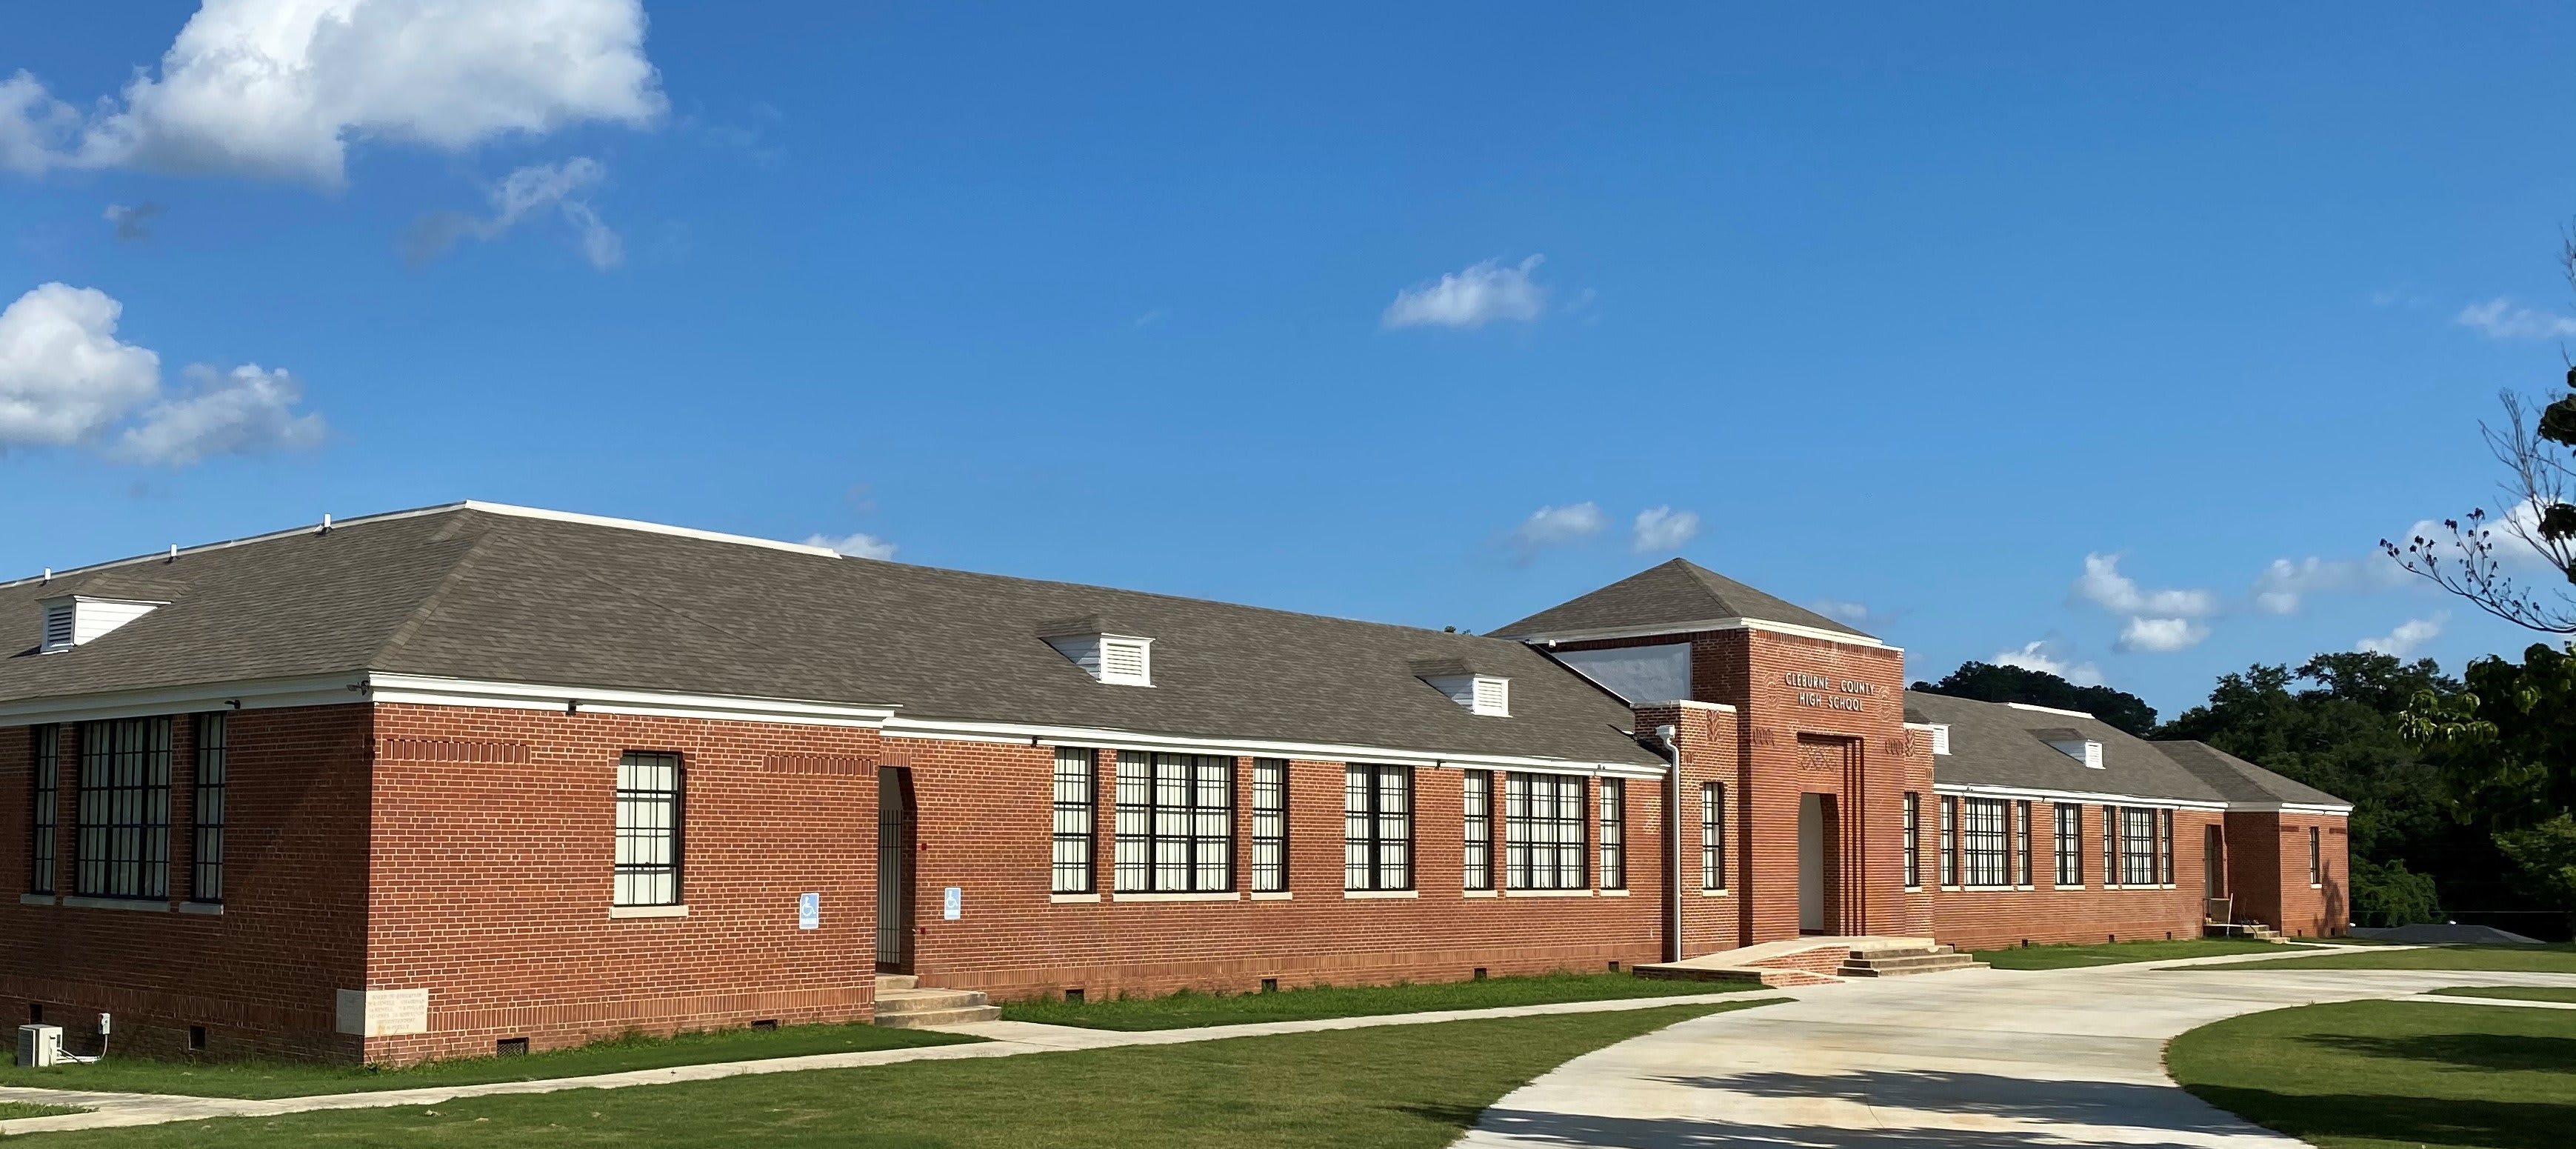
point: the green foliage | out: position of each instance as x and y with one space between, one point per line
1987 682
2389 894
2506 749
2547 855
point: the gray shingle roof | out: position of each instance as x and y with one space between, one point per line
1674 593
474 593
2240 780
1994 744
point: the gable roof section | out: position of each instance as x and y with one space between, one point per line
1998 745
1671 597
2241 781
498 594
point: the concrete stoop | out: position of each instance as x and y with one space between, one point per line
1817 961
902 1004
1906 962
2255 930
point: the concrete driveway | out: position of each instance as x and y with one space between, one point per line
1974 1058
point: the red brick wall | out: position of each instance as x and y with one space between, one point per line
985 811
2268 872
260 976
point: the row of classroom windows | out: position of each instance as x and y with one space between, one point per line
120 841
1987 843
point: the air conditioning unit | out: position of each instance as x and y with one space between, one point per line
40 1046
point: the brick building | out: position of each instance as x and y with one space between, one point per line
438 782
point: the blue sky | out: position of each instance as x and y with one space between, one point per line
1914 309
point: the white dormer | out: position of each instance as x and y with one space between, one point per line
1940 738
2075 745
1489 695
1116 659
74 619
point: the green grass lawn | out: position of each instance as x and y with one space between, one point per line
2514 959
1387 1087
1186 1010
294 1079
2388 1074
2514 992
13 1110
2115 953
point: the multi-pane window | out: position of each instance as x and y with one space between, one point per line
2021 844
1269 825
648 830
1077 798
1983 830
1477 829
1949 841
1175 823
1614 834
2110 845
1712 835
2316 859
206 841
1543 831
124 847
2137 846
45 808
2070 844
1377 828
2165 856
1913 840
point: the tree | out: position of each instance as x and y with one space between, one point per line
2537 445
2506 745
1987 682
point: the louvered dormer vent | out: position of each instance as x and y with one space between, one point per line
1940 738
2073 744
1088 642
1481 693
75 619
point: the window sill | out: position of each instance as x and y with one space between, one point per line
2311 885
1547 893
1715 893
1478 894
36 899
207 909
1366 895
620 913
1073 899
1272 895
1614 893
1213 896
2077 886
1913 889
150 907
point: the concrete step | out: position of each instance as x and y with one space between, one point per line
895 982
930 1019
1909 966
928 1000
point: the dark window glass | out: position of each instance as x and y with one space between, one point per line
45 809
648 830
1614 834
1949 841
2022 871
1913 840
1712 835
206 842
2165 856
1478 829
1983 830
2110 845
2137 846
1269 825
124 848
1543 831
2316 859
1175 823
1377 828
1077 783
2070 844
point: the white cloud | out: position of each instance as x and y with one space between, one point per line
2161 635
857 546
2404 640
2103 583
2284 586
66 380
280 88
1851 612
1663 529
1472 298
64 377
1556 526
2042 656
245 411
2511 552
2501 318
523 192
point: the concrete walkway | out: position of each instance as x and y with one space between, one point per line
1980 1057
1002 1039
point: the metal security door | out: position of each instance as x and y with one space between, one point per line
894 869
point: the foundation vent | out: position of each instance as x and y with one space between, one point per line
1090 643
1481 693
75 619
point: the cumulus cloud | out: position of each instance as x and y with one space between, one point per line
2103 583
1663 529
1850 612
64 376
1472 298
2512 551
2284 586
2043 656
66 380
134 222
522 193
280 88
2404 640
2501 318
857 546
2161 635
1557 526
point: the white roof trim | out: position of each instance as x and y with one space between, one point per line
1552 637
422 690
2048 710
1982 791
2287 808
254 694
907 726
1685 703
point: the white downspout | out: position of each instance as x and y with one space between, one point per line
1672 752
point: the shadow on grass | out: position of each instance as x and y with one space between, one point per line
2419 1120
2459 1050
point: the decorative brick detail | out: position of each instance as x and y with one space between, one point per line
834 764
452 750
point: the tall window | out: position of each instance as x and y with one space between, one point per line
1913 840
124 848
648 830
1175 823
1377 828
1477 828
2070 844
1984 834
2110 845
1949 843
1614 834
1712 835
45 812
1543 831
1269 825
206 843
2166 855
2022 872
1077 811
2316 859
2137 846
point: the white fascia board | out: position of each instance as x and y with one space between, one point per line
2287 808
1684 703
2038 709
904 726
2075 796
1545 638
1925 727
422 690
254 694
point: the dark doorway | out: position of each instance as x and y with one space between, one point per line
894 869
2213 868
1818 853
